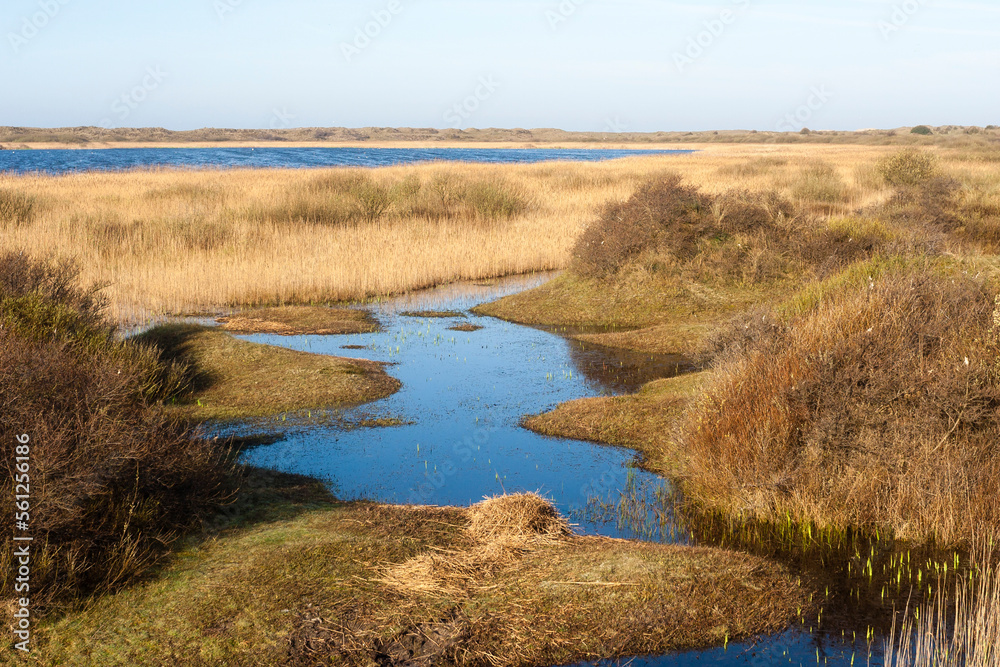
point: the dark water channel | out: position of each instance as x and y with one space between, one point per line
463 396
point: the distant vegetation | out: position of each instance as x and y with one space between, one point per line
951 135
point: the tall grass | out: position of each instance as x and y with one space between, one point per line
182 241
956 629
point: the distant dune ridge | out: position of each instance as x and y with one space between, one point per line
12 137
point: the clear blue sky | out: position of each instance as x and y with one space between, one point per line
578 65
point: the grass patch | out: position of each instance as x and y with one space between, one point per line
468 328
234 379
432 314
301 320
355 583
640 421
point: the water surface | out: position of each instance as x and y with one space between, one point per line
61 161
462 400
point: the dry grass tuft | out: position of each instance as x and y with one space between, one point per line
959 628
16 208
501 531
515 518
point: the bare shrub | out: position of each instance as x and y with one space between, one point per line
112 479
661 210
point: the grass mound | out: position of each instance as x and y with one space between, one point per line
234 379
517 517
875 406
307 580
300 320
432 314
112 479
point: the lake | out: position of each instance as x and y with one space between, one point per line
61 161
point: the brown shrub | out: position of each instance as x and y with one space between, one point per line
877 408
739 235
112 479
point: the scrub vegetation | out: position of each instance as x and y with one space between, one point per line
296 578
849 384
111 478
852 376
178 242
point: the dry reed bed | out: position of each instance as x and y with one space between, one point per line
183 241
959 626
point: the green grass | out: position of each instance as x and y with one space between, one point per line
640 421
295 577
232 379
639 311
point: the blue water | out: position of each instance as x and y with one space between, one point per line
463 396
63 161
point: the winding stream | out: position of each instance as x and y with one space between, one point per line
463 396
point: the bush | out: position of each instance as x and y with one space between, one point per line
739 234
876 407
908 167
921 129
112 479
16 208
660 210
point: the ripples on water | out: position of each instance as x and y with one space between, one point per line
59 161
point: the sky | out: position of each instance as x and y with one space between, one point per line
585 65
